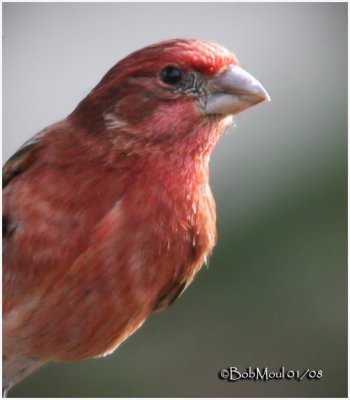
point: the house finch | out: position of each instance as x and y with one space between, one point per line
108 214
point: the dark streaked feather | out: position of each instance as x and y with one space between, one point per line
22 159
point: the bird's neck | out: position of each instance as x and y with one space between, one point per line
189 149
184 161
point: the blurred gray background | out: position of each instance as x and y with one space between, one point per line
276 290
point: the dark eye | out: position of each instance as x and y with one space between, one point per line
171 75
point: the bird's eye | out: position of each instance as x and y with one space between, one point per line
171 75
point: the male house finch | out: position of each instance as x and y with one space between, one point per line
108 214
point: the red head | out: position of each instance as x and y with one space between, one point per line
204 57
161 93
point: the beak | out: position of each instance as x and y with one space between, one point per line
233 91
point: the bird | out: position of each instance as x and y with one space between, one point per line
108 214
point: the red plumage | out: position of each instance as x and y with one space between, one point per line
109 214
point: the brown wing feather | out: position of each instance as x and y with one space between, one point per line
18 163
22 159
